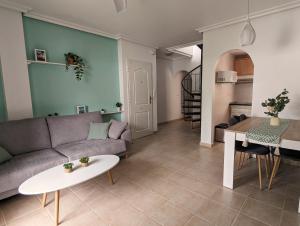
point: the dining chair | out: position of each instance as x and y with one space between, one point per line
258 151
284 154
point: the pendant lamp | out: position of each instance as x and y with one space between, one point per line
248 34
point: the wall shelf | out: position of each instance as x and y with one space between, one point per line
111 112
51 63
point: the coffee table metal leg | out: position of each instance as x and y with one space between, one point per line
110 177
44 200
57 194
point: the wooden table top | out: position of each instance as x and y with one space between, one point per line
292 132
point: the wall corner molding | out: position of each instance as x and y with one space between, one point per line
14 6
68 24
254 15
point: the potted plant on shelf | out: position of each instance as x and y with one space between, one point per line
84 161
78 63
119 106
68 167
275 106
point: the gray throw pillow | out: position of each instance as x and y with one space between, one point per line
116 129
98 131
4 155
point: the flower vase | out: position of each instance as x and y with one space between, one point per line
275 121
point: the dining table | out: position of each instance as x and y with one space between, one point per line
290 139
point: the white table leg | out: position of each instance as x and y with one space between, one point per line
299 206
229 152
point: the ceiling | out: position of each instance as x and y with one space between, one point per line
157 23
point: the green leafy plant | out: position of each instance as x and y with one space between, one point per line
118 104
277 104
78 64
84 160
68 165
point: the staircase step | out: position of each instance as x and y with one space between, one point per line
193 113
192 100
190 106
196 94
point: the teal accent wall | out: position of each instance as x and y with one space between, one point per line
53 89
3 112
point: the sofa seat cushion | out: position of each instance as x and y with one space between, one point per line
21 167
84 148
71 128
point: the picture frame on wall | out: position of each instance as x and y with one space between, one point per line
40 55
80 109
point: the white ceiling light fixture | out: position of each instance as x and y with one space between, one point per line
121 5
248 34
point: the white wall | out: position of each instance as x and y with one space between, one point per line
275 54
168 91
14 66
169 84
131 51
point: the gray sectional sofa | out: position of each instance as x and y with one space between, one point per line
41 143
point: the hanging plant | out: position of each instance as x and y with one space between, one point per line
78 64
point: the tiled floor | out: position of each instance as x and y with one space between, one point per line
168 180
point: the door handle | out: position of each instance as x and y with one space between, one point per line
150 99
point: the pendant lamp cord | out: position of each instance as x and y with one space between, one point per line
248 10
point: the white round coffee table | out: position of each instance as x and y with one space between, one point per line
55 179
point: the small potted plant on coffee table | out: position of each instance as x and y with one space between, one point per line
84 161
68 167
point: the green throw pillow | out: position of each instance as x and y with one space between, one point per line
98 131
4 155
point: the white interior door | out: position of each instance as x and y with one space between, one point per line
140 98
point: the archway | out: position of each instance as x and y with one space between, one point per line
233 87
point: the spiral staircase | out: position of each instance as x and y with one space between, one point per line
191 96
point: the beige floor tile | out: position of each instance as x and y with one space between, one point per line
68 206
106 205
145 200
82 216
290 219
262 212
291 205
196 221
88 191
269 197
128 216
229 198
245 189
19 206
243 220
203 188
216 214
39 217
169 215
187 200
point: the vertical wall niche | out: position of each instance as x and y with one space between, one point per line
238 93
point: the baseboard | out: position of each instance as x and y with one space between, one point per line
207 145
173 120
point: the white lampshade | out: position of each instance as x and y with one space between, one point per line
120 5
248 34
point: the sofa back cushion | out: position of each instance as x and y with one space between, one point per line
26 135
67 129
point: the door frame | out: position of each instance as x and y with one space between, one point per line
131 51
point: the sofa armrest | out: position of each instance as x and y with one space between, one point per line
126 135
